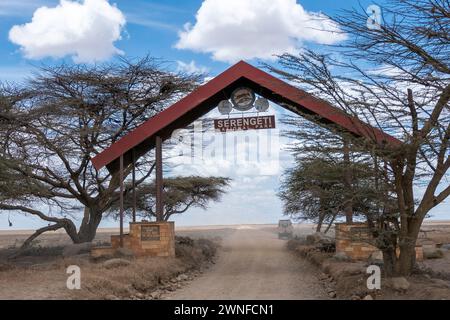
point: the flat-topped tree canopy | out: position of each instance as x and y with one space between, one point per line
206 97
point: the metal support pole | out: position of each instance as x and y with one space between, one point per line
159 179
134 184
121 200
348 208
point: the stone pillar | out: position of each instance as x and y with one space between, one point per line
149 239
354 240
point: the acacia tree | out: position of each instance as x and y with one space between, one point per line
396 77
179 193
314 145
312 191
316 190
65 115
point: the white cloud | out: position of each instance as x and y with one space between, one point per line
245 29
191 67
84 30
149 22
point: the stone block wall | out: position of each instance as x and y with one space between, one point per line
149 239
354 241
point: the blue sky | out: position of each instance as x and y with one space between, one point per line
152 27
194 35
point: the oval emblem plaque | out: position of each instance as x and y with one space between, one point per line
225 107
243 99
262 105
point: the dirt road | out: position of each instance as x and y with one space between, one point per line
254 264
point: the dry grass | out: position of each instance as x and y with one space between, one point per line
41 272
143 275
350 277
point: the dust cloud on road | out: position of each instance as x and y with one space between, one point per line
254 264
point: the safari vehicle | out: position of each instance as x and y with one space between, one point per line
285 229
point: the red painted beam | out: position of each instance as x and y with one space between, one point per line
240 70
318 106
159 121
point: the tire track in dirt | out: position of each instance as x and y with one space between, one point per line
254 264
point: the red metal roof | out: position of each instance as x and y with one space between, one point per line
206 97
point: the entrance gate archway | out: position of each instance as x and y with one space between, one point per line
154 131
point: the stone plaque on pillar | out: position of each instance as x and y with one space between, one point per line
150 233
360 233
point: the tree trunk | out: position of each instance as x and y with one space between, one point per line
330 223
407 258
319 225
38 232
389 262
405 262
88 228
30 239
320 222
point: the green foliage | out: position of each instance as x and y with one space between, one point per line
55 122
317 186
179 193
